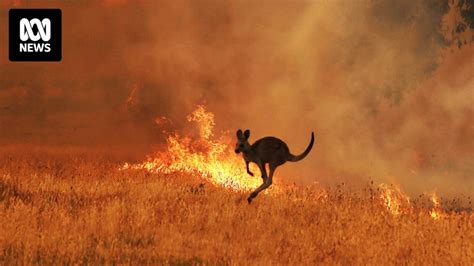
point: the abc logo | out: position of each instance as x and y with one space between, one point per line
26 29
27 33
35 34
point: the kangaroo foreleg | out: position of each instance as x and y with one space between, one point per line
248 169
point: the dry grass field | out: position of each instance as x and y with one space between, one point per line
73 206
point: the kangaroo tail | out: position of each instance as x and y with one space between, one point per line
295 158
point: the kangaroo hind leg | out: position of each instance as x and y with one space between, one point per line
267 181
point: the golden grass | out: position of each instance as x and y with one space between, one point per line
60 206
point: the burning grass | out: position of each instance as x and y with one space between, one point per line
66 206
206 155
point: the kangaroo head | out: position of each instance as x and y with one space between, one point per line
243 144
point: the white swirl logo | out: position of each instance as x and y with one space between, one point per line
26 29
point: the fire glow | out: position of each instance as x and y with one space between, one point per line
436 211
396 202
393 198
208 156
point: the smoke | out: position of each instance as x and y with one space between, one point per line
383 84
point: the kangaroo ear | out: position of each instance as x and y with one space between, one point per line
239 134
247 134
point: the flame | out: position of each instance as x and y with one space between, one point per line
162 121
393 199
396 202
210 157
436 211
132 97
205 121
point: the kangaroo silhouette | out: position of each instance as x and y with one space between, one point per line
267 150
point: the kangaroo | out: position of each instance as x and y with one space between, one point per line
267 150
